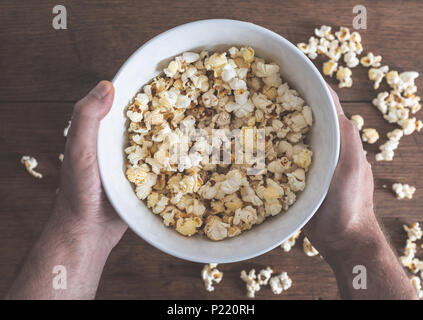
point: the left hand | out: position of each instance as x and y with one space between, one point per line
81 201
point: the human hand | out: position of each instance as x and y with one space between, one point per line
347 211
81 201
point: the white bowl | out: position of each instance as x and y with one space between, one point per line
147 62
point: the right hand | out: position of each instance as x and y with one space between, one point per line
347 211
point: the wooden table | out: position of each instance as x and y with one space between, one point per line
44 71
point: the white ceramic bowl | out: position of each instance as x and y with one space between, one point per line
147 62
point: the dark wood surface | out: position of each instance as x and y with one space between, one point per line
44 71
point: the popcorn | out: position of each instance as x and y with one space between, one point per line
216 61
157 202
329 67
358 121
409 253
172 137
387 150
296 180
144 188
403 82
288 244
403 191
343 34
247 53
66 130
377 75
263 70
280 283
211 274
370 135
351 60
303 158
251 282
30 164
395 135
240 111
288 98
371 60
344 77
215 228
381 102
355 38
245 215
331 49
137 175
324 32
410 125
248 195
408 260
309 249
280 166
309 49
415 281
61 157
414 232
188 226
264 276
190 57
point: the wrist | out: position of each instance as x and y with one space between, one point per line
338 231
94 223
364 243
75 228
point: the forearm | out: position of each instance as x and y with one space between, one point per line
382 275
66 243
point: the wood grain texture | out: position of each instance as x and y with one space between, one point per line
45 71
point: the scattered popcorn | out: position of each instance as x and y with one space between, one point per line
346 44
309 249
371 61
408 260
254 282
66 130
414 232
172 141
395 135
264 276
370 135
415 281
288 244
343 34
61 157
324 32
377 75
30 164
310 48
251 283
403 191
280 283
329 67
358 121
351 60
410 125
387 149
344 77
210 274
404 82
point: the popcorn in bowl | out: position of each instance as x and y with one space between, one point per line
216 143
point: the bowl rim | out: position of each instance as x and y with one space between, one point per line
334 157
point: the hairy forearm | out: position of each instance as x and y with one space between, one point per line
379 275
66 243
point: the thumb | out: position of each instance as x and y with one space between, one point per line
86 117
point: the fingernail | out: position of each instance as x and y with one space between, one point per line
101 89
